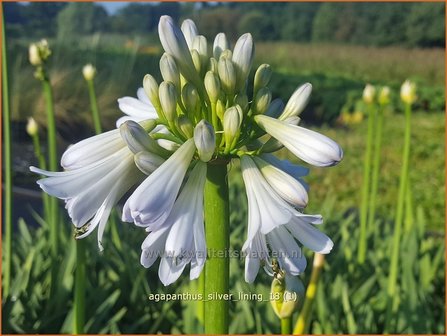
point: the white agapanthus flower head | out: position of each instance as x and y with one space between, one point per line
201 113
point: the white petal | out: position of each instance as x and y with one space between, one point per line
243 57
220 44
122 120
285 185
169 271
310 146
142 96
297 102
137 108
152 201
153 246
309 236
92 150
288 252
294 170
273 210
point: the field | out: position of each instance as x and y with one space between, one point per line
350 298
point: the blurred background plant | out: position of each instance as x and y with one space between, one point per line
382 44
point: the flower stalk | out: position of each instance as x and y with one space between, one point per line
94 107
286 326
303 320
403 187
366 185
7 168
217 240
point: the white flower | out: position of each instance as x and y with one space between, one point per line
205 140
220 44
151 203
182 239
312 147
283 246
189 30
369 94
136 109
266 209
242 58
408 92
93 184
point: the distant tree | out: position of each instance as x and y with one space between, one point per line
41 18
133 18
257 23
220 19
325 22
13 12
426 25
297 21
80 18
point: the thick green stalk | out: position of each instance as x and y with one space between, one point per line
217 239
286 326
305 315
52 162
94 107
7 168
375 169
365 188
79 295
409 216
392 279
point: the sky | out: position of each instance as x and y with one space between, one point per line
112 7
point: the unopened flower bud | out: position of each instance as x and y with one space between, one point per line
136 137
147 162
201 45
174 43
150 86
369 94
205 140
39 52
241 100
297 102
186 126
262 77
190 31
213 65
31 127
220 44
220 109
169 70
196 60
243 57
232 121
227 75
384 95
408 92
212 86
89 72
287 294
168 100
227 53
190 97
275 108
262 100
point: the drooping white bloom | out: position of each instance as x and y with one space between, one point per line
312 147
136 109
182 239
152 202
266 209
283 247
92 184
297 102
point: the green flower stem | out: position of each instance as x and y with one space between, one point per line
217 240
52 162
7 168
409 216
42 165
394 264
79 295
286 326
94 107
305 315
365 188
375 168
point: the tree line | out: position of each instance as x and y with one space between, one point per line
410 24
